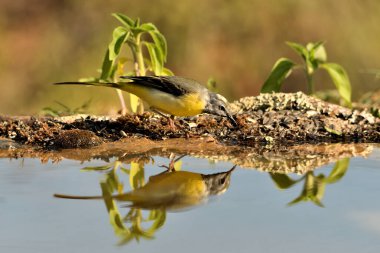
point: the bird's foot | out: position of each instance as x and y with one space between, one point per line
172 162
171 123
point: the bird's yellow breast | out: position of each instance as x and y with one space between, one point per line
172 185
186 105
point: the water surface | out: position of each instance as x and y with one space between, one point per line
334 208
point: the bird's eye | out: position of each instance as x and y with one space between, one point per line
221 107
222 180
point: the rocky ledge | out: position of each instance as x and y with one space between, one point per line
268 119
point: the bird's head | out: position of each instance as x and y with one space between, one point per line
217 105
218 183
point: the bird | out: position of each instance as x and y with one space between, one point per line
172 95
171 190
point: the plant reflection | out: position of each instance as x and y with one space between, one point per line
314 185
148 202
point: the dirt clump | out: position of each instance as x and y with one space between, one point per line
76 139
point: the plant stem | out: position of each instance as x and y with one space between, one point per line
139 56
124 109
310 84
139 67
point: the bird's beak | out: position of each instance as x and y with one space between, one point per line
232 169
231 119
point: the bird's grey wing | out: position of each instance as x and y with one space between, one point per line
175 85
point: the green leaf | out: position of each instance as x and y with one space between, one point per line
211 85
119 36
281 69
137 30
314 45
113 70
333 131
125 20
317 201
137 22
317 51
160 42
338 171
153 214
111 180
316 56
97 168
167 72
136 176
106 67
282 181
319 190
114 214
147 27
155 60
50 111
178 165
160 56
133 102
340 79
159 221
297 200
300 49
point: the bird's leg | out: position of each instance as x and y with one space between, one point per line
158 112
170 118
171 122
173 160
170 168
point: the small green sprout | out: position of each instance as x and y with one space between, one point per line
137 37
314 57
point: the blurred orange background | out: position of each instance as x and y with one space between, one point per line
236 42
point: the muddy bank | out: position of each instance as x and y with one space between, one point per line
281 159
268 119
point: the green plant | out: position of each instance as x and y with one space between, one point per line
136 224
149 52
314 57
314 185
133 225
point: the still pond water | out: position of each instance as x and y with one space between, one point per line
328 210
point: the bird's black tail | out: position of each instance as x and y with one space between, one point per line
63 196
112 85
120 197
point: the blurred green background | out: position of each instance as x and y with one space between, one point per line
236 42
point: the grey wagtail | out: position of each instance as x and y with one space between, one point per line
174 95
176 190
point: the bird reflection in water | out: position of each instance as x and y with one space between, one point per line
171 190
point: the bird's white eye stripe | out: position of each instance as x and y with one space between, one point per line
222 98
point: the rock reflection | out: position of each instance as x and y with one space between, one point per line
171 190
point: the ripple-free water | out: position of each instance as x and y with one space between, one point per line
252 215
